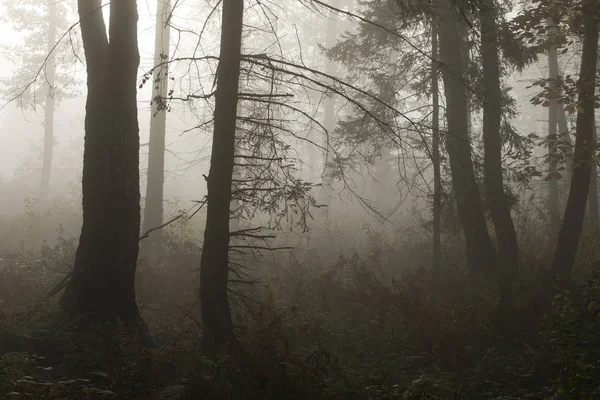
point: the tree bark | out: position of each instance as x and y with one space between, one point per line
568 238
153 210
498 203
480 251
216 315
49 105
435 149
102 286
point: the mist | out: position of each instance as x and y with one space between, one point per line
299 199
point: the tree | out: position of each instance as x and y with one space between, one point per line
329 119
153 209
435 150
102 286
568 238
214 264
39 21
49 106
564 142
553 176
508 252
592 205
481 255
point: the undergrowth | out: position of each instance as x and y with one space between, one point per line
360 324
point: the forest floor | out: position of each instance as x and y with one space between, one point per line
311 331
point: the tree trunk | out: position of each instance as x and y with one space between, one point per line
102 286
329 120
216 315
49 105
498 203
382 185
153 210
564 142
553 175
593 194
463 28
480 251
435 149
568 238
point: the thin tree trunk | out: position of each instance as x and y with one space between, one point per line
506 236
481 255
592 208
382 186
153 210
553 175
466 60
216 315
568 238
593 194
103 283
329 101
437 179
564 142
49 105
329 120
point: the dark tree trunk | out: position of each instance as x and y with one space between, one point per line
216 315
49 106
435 123
568 238
102 285
153 209
498 203
481 255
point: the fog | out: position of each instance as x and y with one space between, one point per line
376 200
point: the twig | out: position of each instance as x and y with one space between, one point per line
147 234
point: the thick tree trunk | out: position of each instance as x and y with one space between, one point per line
435 149
153 210
49 106
102 285
498 203
480 251
568 238
216 315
